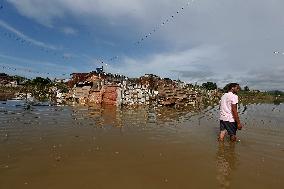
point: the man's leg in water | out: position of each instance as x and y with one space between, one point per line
222 135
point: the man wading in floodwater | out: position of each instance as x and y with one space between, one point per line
229 118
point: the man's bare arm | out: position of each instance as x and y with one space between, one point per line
236 115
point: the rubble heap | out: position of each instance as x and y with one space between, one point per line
102 88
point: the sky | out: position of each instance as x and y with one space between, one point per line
192 40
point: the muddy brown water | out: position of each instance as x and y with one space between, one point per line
104 148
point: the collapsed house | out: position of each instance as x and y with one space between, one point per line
112 89
95 87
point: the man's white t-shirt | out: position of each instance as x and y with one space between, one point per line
226 106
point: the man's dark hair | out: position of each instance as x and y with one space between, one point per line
232 85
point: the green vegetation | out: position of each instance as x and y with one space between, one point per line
276 93
38 87
246 88
248 96
8 92
209 86
42 89
251 97
19 79
61 87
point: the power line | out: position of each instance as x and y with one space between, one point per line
155 29
22 41
27 70
164 22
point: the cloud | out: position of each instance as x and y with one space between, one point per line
40 10
141 13
202 64
25 37
45 12
194 74
69 31
185 64
266 79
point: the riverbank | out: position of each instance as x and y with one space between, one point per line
7 93
111 89
250 97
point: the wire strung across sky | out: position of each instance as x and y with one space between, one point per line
13 34
5 67
153 31
157 28
24 40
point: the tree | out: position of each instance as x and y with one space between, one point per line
209 86
38 87
41 81
19 79
276 93
246 88
62 87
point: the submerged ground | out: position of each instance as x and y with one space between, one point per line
89 147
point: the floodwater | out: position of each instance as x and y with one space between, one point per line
103 148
